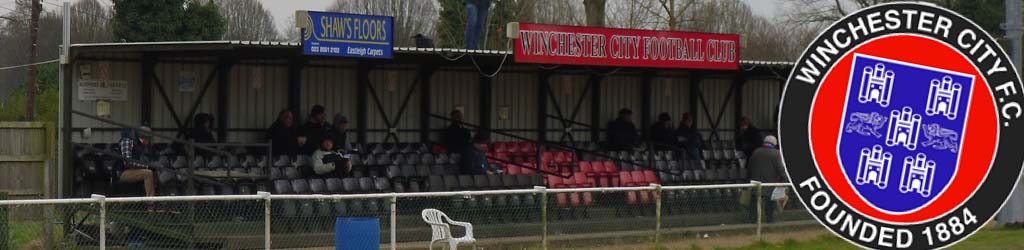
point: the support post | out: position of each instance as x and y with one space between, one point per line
739 81
646 109
543 215
595 108
760 207
425 100
542 106
295 87
362 92
103 220
394 220
485 104
657 215
266 218
4 235
148 69
223 77
694 82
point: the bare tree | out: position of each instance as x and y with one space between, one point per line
634 14
671 13
90 22
595 12
291 33
560 12
247 20
411 17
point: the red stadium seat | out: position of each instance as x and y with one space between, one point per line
511 169
529 168
582 181
625 180
649 177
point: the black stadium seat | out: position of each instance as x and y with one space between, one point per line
300 186
291 173
382 185
435 183
333 185
451 183
466 182
366 184
350 185
317 186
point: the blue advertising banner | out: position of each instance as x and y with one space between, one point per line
349 35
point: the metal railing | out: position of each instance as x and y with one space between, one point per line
525 218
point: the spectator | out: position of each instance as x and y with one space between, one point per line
326 161
314 131
202 129
689 138
132 169
340 134
476 20
622 134
474 160
456 138
423 41
282 134
766 166
663 133
750 137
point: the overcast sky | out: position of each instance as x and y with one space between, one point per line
283 9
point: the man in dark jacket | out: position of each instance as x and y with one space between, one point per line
282 134
621 133
766 166
456 138
340 134
474 160
663 133
689 138
202 129
750 137
314 131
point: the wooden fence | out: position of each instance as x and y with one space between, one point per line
28 162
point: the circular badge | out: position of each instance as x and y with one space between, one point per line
898 127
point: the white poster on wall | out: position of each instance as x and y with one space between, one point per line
186 82
92 90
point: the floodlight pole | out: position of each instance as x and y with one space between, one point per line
1013 210
62 122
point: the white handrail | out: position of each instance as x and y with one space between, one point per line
374 195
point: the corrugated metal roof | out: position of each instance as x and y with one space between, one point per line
396 49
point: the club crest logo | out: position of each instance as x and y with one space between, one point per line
897 127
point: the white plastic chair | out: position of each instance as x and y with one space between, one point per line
440 226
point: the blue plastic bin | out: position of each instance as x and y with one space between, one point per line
356 233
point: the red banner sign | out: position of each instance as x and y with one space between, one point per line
554 44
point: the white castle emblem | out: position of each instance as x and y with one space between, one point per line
917 175
943 97
874 166
876 85
903 128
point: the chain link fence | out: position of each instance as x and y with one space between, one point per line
538 218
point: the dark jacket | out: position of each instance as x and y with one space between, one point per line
664 138
283 139
749 140
622 134
340 139
201 135
690 140
456 138
315 134
766 165
474 162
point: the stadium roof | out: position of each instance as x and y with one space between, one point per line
245 45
